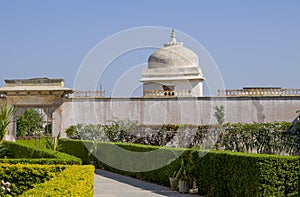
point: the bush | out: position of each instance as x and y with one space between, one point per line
73 181
109 153
37 142
217 173
24 153
223 173
24 176
271 138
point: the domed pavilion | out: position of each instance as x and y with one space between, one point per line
173 71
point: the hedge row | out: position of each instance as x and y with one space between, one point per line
113 158
28 154
224 173
24 176
73 181
38 142
217 173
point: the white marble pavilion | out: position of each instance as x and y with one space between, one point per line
173 71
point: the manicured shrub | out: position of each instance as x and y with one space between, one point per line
76 148
217 173
32 154
223 173
44 161
109 153
72 181
38 142
24 176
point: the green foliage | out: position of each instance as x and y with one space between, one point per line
42 161
6 116
72 132
48 180
119 129
33 154
219 114
76 148
53 143
30 123
223 173
37 143
217 173
73 181
116 132
24 176
182 173
259 138
109 152
4 151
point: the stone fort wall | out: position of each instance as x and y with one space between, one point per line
173 110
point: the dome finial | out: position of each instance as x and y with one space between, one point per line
173 40
173 37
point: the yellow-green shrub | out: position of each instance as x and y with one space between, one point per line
73 181
24 176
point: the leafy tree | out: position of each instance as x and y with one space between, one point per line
29 123
6 116
219 114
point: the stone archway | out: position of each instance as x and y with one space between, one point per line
33 93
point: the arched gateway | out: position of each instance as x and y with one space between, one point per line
41 93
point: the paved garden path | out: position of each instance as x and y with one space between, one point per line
114 185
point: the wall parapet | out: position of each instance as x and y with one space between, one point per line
259 92
87 94
166 93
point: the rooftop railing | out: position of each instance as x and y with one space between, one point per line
166 93
260 92
87 94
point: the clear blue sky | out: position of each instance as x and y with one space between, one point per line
254 43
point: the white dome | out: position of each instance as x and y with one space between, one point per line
172 71
173 56
173 62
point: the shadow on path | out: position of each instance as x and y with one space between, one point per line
153 188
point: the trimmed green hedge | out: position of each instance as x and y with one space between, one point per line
27 154
224 173
39 142
76 148
73 181
217 173
43 161
24 176
110 153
